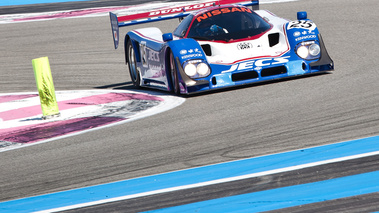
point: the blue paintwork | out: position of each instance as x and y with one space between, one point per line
197 175
302 15
186 44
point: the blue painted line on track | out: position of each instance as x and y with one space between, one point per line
285 197
192 176
26 2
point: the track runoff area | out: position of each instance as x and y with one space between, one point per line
105 108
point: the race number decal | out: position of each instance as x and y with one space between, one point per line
304 24
143 53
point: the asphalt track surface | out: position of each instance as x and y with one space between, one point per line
210 128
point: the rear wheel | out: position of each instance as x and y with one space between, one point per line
134 73
174 75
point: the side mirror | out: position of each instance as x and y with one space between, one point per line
301 15
167 37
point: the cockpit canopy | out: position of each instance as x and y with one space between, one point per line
222 24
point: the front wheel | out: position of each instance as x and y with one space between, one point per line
134 73
174 75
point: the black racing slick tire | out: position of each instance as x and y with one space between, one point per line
174 75
132 64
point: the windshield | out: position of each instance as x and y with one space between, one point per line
226 24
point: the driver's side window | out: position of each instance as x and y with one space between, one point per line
181 30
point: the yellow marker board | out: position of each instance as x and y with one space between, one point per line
45 86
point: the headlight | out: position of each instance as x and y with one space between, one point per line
308 50
314 49
196 69
302 51
203 69
190 70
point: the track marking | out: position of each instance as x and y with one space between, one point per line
21 122
208 183
197 177
285 197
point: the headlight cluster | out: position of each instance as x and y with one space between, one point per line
196 69
308 50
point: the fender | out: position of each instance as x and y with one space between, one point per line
301 30
151 36
186 49
135 47
325 59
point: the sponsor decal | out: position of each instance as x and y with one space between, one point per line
306 37
307 42
143 53
183 52
153 56
181 9
193 50
192 55
297 33
115 35
258 64
244 46
148 55
155 67
221 11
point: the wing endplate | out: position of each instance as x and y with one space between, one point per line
115 29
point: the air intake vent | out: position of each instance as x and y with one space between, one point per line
207 49
273 71
273 39
244 76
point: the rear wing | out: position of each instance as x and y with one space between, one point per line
167 13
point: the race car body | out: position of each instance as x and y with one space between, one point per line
220 44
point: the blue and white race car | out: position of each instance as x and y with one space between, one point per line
219 44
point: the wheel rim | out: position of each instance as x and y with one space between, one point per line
132 63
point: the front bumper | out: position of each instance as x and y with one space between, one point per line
230 79
294 67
